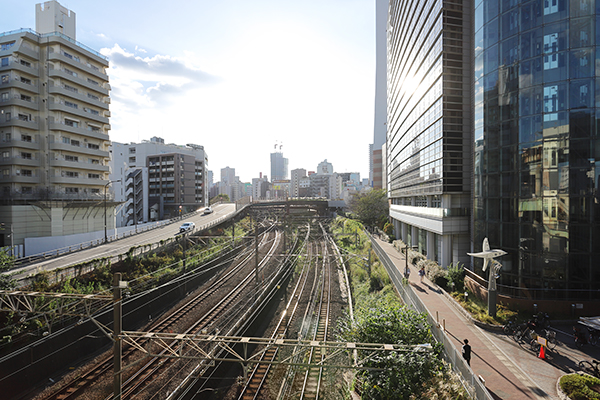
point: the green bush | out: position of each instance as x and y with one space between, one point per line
456 276
579 387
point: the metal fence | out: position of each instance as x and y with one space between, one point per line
471 382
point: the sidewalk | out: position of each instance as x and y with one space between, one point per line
502 378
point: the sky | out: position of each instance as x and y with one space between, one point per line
239 77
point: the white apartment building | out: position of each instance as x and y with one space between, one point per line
181 181
54 124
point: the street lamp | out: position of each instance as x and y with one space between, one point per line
105 231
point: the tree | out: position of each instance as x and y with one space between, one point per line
220 197
402 374
371 207
6 263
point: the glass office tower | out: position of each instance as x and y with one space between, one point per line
537 144
429 129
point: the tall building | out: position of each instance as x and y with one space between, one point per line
297 175
428 149
180 179
537 145
380 120
279 166
54 124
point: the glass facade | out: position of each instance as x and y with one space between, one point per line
536 144
429 126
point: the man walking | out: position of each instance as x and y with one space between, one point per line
466 352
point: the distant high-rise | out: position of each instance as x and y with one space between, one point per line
428 150
380 121
279 166
54 123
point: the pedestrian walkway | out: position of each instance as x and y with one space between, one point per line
502 379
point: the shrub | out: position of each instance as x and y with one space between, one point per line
456 276
578 387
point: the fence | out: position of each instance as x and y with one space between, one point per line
474 386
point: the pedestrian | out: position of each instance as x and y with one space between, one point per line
422 273
466 352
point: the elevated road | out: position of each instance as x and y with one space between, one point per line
121 246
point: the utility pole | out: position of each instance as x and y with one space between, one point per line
256 252
117 325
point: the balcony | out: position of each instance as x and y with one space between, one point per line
16 66
22 122
78 149
17 100
82 97
77 111
77 64
22 144
56 73
84 181
60 126
21 161
79 165
17 178
28 85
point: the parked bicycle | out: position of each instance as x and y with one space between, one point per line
580 338
594 336
510 327
590 368
547 334
524 331
542 320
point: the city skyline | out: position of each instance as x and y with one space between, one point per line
234 73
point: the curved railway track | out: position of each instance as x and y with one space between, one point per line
243 271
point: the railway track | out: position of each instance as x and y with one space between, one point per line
230 286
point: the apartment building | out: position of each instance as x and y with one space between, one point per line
173 179
54 125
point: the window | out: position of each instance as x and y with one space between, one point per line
94 161
95 190
4 61
93 82
72 158
71 174
26 81
26 172
132 150
550 49
71 190
6 173
92 66
8 137
26 98
71 88
25 117
7 116
72 73
26 156
67 55
27 190
92 111
26 138
94 176
75 143
93 128
91 96
71 104
72 123
5 154
4 78
550 6
550 103
4 96
132 159
26 63
6 46
66 140
93 146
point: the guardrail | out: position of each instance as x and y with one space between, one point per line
451 354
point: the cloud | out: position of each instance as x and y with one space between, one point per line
139 49
152 81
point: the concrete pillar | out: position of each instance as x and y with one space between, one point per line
430 245
404 232
414 236
446 256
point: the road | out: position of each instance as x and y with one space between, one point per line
542 375
123 245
